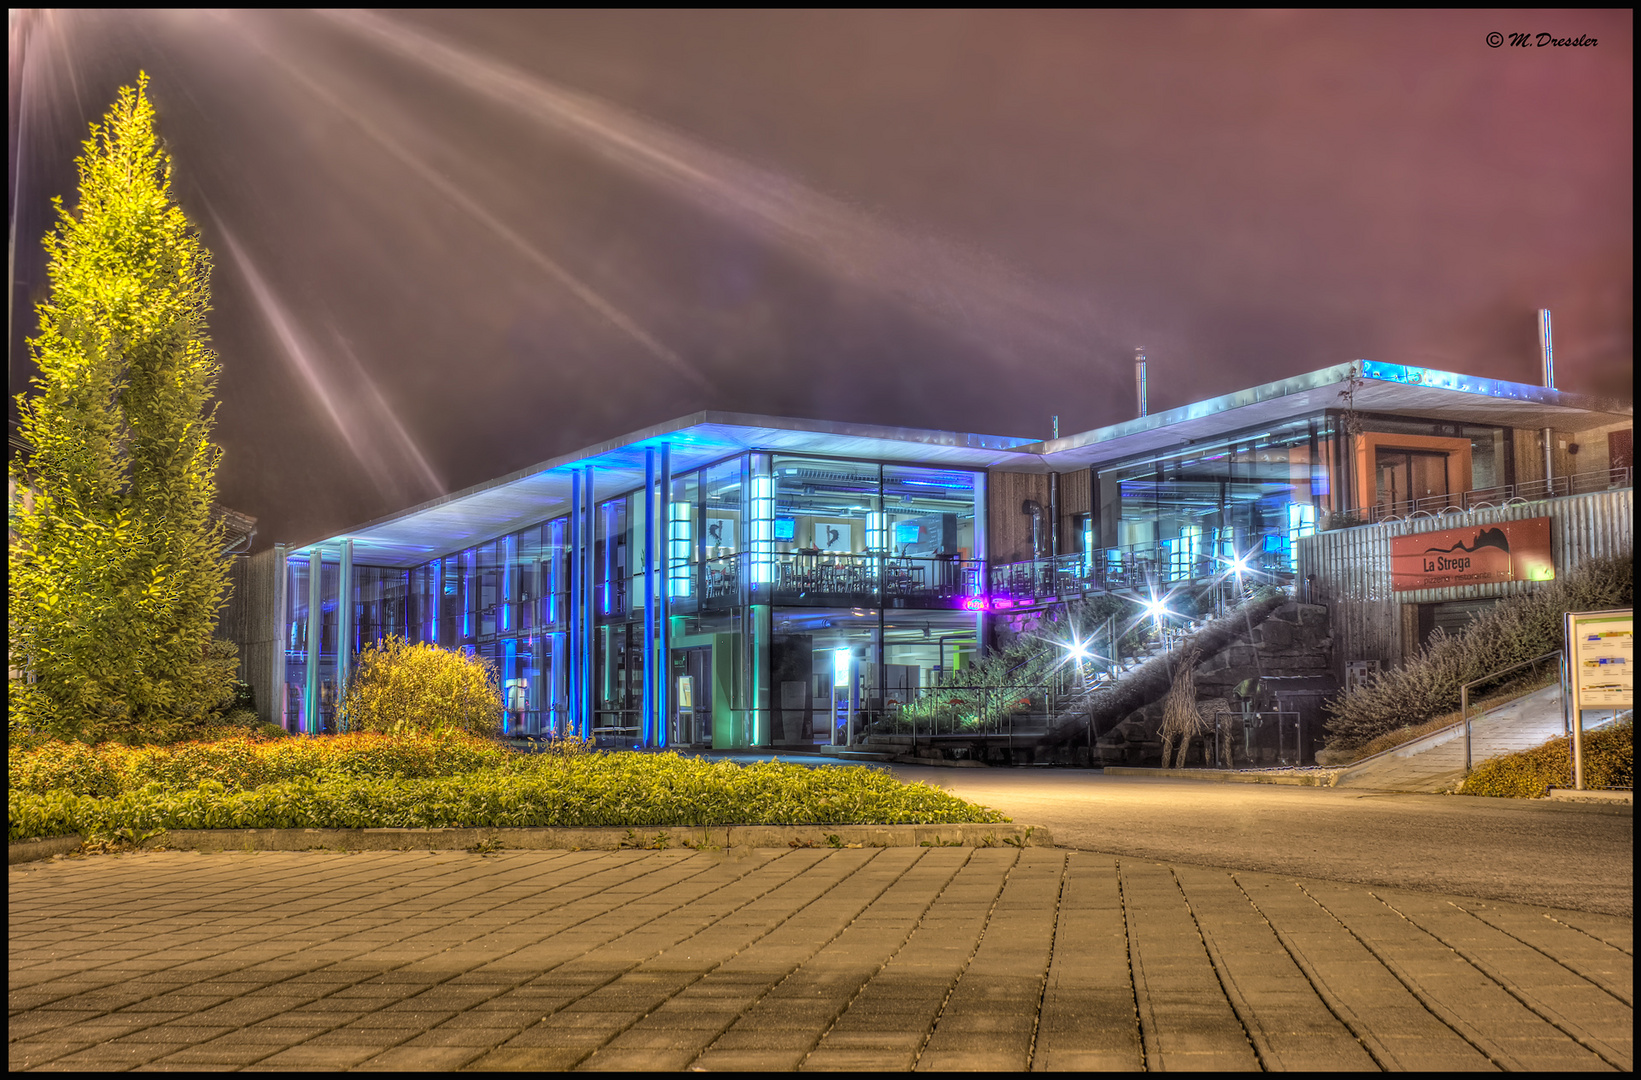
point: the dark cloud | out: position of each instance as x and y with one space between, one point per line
452 244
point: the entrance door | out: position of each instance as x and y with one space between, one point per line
691 721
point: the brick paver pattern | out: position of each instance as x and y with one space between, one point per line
896 958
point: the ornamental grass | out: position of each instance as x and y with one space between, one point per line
438 780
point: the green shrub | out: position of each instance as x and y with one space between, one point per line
1609 762
243 762
398 688
1516 630
66 766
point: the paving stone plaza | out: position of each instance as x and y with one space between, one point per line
883 959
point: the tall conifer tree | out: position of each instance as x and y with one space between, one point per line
116 573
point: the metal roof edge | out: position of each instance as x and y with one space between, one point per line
1295 384
994 443
1375 371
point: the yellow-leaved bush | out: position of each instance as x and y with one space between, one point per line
1609 762
399 688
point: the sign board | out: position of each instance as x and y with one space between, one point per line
1477 555
1601 669
1601 654
721 533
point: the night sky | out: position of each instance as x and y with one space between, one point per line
451 245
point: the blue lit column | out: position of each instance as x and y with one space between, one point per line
316 637
572 627
646 735
982 551
663 651
344 620
585 629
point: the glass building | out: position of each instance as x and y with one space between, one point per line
731 581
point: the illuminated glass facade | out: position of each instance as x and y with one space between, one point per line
737 581
766 566
1248 496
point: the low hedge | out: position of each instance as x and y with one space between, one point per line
243 762
1609 762
333 784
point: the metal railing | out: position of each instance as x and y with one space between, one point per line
1580 483
1464 696
1136 569
966 711
845 579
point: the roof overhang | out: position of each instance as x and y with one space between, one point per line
1382 388
512 502
541 492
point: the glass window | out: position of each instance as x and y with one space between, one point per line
1190 514
487 583
611 558
330 574
833 506
296 639
686 541
721 524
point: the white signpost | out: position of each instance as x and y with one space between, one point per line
1601 658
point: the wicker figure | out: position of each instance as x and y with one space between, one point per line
1180 717
1215 712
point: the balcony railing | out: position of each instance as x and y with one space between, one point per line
841 580
1137 569
1581 483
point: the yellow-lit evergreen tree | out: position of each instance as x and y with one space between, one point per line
116 574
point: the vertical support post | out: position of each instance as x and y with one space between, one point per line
651 672
663 659
854 699
572 622
1570 659
281 635
1566 723
588 539
1054 521
982 549
316 634
1464 714
1578 749
1547 352
344 620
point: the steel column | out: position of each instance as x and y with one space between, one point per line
573 620
663 659
344 620
589 537
647 723
316 634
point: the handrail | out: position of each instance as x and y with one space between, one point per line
1464 698
1576 483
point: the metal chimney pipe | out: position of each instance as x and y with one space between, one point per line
1139 377
1547 355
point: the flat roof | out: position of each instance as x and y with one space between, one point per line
1383 388
512 502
